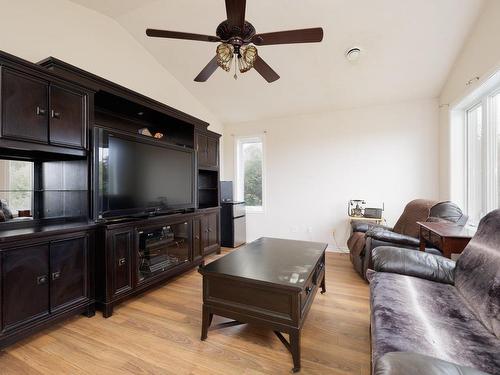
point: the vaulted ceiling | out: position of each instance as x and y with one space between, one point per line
408 49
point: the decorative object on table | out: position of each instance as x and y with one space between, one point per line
373 213
6 210
158 135
237 39
24 213
145 131
356 207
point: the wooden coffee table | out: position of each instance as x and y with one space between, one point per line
270 282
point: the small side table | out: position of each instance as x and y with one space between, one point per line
451 238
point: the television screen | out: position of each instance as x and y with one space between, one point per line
137 176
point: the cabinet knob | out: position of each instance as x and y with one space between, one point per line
308 290
40 111
56 275
197 237
55 114
41 280
122 261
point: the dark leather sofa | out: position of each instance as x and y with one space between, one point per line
430 315
365 236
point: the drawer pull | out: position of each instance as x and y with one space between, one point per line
41 280
40 111
122 261
56 275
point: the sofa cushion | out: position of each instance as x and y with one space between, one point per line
416 315
401 363
477 274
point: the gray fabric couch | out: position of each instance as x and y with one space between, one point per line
431 306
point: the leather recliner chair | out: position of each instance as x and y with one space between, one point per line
366 236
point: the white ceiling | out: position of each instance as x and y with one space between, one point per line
408 48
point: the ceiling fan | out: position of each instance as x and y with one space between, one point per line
238 38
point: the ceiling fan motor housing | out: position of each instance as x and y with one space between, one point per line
235 34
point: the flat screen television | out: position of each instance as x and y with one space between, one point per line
141 176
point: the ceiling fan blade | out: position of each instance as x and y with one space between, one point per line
207 71
287 37
265 70
179 35
235 10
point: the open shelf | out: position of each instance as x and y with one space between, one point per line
131 117
208 188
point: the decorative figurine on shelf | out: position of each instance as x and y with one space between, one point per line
24 213
145 131
158 135
356 207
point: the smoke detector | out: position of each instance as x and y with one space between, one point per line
353 54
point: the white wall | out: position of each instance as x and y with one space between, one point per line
316 163
480 57
34 29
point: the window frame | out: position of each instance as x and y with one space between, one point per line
489 152
239 171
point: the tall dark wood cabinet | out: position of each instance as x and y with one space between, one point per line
63 259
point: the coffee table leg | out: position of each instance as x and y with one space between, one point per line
207 317
295 349
323 284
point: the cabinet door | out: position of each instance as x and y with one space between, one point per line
67 117
212 152
201 147
25 285
213 229
24 107
68 272
197 238
121 262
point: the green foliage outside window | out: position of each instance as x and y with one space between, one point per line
252 158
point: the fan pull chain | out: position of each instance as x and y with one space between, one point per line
235 69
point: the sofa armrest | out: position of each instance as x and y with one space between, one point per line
364 226
392 237
404 363
413 263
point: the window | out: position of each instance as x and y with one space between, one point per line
250 172
16 187
482 142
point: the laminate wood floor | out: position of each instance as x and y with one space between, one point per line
159 333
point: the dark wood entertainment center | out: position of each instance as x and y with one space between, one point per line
67 260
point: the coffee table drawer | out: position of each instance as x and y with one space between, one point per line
254 299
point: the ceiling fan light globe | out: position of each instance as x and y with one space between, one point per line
225 54
247 58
